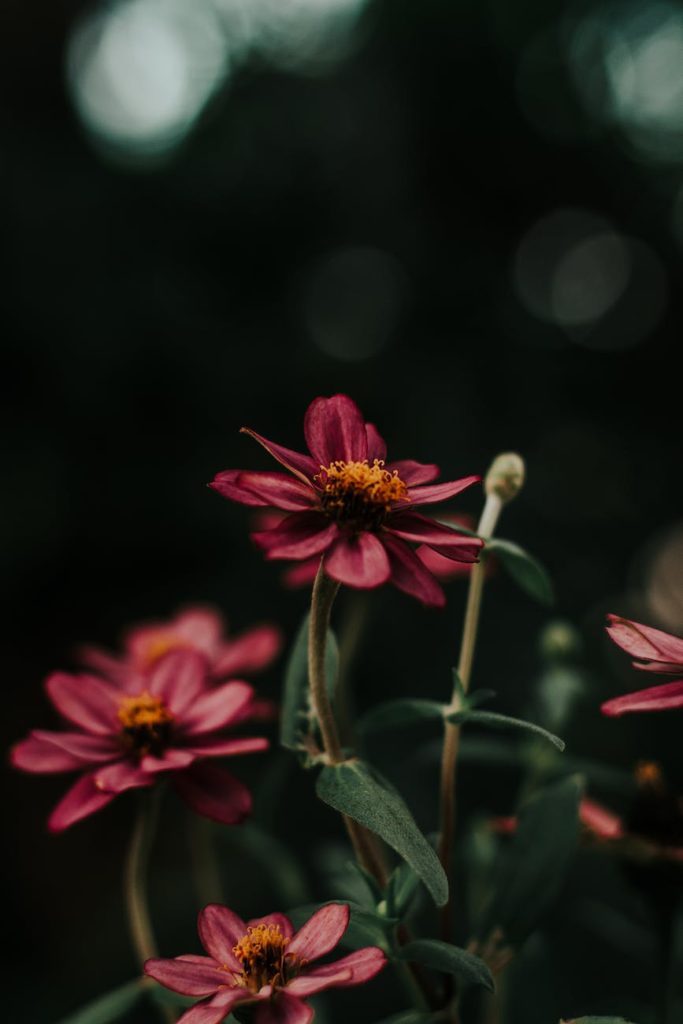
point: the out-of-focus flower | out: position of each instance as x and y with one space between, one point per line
596 819
446 569
653 651
127 738
200 629
264 962
344 501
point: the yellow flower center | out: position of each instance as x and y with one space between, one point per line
359 495
146 724
262 953
160 645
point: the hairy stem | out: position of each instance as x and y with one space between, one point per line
135 885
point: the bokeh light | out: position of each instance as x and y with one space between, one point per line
353 301
664 580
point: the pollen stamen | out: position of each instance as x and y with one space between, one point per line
146 724
263 955
359 495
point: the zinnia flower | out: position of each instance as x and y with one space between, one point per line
346 502
654 651
264 962
127 737
199 628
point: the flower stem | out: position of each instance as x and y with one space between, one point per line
324 592
205 868
135 884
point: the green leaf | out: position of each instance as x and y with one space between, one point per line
538 859
111 1007
525 570
400 889
356 789
408 1017
499 721
296 720
442 956
404 711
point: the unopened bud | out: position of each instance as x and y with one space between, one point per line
560 641
505 478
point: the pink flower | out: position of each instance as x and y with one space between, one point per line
597 820
264 962
199 628
347 503
127 737
654 651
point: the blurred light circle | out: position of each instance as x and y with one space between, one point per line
664 583
604 290
305 35
141 71
353 302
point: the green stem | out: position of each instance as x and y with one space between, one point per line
449 758
205 868
135 885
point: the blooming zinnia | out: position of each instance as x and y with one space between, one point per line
199 628
346 502
265 962
127 737
653 651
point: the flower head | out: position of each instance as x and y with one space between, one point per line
653 651
130 735
200 629
345 502
266 963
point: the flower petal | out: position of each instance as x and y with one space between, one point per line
120 776
358 561
409 574
647 643
227 484
421 530
82 799
302 574
283 1009
220 929
45 751
103 663
301 465
377 448
655 698
412 472
171 760
300 535
309 984
185 976
441 566
321 933
87 701
214 793
335 429
278 490
250 652
179 678
216 708
362 964
213 1011
439 492
211 747
279 920
600 820
202 625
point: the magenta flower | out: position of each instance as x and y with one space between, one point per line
654 651
200 629
127 738
346 502
264 962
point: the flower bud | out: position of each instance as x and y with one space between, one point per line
505 478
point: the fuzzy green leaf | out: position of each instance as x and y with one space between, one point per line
110 1007
525 570
442 956
393 713
296 720
400 889
534 870
498 721
356 789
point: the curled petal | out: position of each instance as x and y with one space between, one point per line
186 976
279 491
302 466
655 698
220 929
170 761
440 492
211 747
214 793
87 701
82 799
250 652
409 574
229 486
45 751
358 561
448 542
412 472
283 1009
321 933
120 776
335 430
300 535
644 642
217 708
